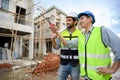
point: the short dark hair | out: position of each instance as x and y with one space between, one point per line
75 18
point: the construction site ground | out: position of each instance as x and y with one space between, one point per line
23 71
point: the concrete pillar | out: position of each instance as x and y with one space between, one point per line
40 49
44 47
21 43
9 54
4 55
16 53
31 46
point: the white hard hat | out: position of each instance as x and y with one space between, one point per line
72 14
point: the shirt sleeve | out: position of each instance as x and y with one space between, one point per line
113 41
58 43
72 43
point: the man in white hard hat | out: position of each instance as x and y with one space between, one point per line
69 63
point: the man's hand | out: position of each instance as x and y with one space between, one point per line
105 71
53 28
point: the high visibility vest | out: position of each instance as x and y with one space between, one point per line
69 55
93 54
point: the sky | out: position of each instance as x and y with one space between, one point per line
106 11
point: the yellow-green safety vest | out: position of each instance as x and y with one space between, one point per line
93 54
69 55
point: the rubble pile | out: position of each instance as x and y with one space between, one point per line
5 65
49 63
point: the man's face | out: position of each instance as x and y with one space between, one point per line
84 21
69 22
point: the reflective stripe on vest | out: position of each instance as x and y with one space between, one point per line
93 54
91 67
101 56
68 57
64 48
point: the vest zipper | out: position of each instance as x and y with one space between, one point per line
86 41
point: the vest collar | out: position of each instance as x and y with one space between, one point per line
69 30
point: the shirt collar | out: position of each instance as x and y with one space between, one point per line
90 30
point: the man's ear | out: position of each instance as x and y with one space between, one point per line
75 22
90 18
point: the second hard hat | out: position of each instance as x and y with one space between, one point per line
89 13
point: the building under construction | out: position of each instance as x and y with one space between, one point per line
24 39
23 36
16 24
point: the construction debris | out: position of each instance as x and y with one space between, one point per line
5 65
49 63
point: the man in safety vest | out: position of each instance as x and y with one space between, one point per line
69 60
93 46
94 51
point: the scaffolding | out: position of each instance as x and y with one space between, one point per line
42 42
41 28
14 33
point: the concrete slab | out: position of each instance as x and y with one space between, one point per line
20 63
